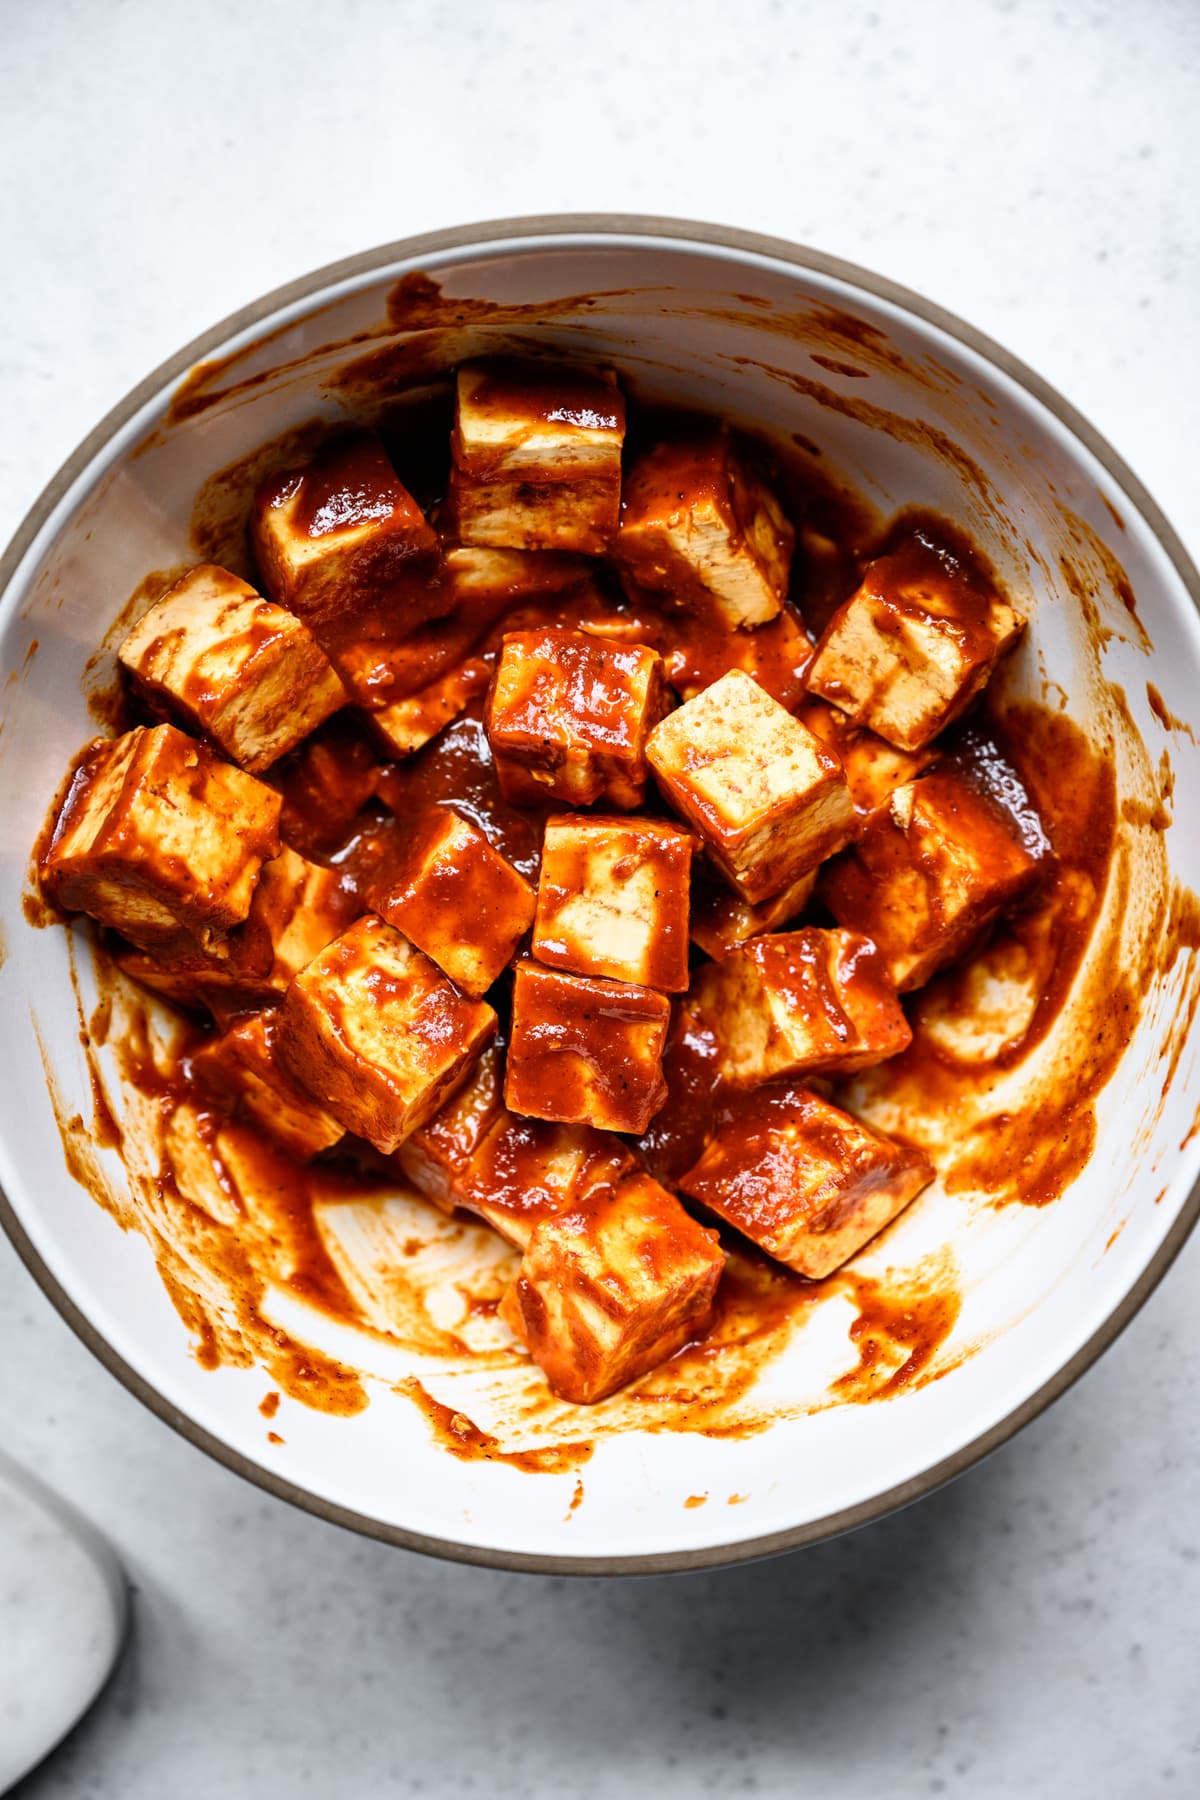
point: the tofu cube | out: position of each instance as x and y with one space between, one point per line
486 580
156 833
801 1003
586 1051
343 538
721 920
568 717
242 1070
232 665
298 908
536 457
324 785
873 768
373 1030
806 1182
929 875
697 521
910 649
408 724
460 902
437 1155
612 899
766 796
611 1289
527 1170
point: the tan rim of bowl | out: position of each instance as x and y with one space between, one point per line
704 237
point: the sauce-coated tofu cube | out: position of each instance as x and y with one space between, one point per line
536 458
929 874
232 665
486 580
613 899
803 1180
344 537
873 768
408 724
612 1288
913 646
298 908
578 516
568 717
527 1170
460 902
375 1033
767 797
437 1154
801 1003
698 521
722 920
585 1050
156 833
242 1070
324 785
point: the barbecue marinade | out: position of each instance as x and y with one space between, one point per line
324 841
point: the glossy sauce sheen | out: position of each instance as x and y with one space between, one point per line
346 805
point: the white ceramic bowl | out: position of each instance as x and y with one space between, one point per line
917 408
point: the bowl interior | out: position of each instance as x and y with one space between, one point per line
910 414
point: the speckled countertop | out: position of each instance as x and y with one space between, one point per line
1036 168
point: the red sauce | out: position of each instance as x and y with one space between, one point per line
455 1432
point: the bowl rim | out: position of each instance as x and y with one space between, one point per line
705 237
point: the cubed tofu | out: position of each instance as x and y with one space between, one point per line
460 901
298 908
612 899
910 649
698 520
156 833
768 798
803 1002
586 1051
527 1170
536 458
437 1154
232 665
242 1070
408 724
721 920
568 717
343 538
325 784
301 907
612 1288
873 768
486 580
378 1035
929 875
806 1182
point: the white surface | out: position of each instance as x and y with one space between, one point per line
62 1599
1035 1625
